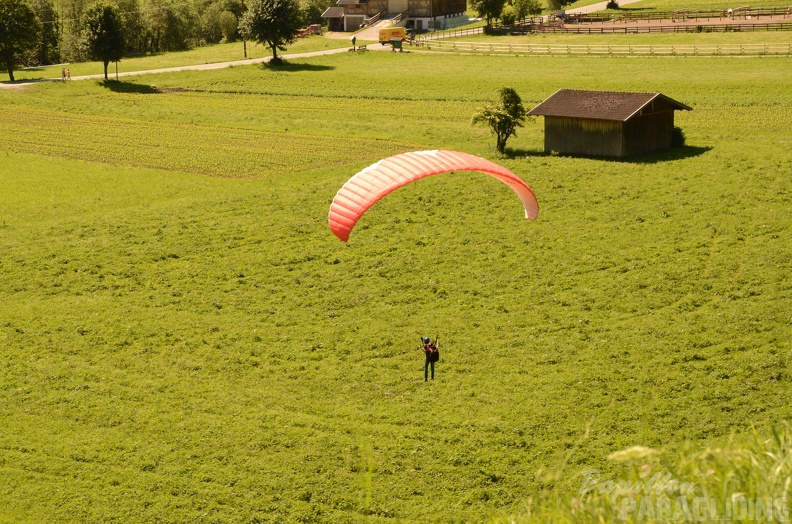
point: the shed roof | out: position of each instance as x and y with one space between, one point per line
333 12
599 105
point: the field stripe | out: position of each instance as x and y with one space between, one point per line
209 150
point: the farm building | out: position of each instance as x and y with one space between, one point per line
607 123
421 15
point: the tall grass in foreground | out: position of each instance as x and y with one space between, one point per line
741 481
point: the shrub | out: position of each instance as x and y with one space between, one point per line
677 137
508 16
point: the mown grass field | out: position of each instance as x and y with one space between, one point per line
183 339
694 5
754 37
234 51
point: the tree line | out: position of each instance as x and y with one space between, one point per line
509 11
45 32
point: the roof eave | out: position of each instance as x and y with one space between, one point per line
673 103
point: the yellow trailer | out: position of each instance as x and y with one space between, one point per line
385 35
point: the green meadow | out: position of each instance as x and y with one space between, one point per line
182 338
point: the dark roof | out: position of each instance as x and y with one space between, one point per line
599 105
333 12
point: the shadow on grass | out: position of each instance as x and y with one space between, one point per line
118 86
520 153
634 9
677 153
289 67
24 81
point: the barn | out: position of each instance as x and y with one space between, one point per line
607 123
420 15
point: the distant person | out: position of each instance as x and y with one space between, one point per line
354 39
68 74
432 355
63 74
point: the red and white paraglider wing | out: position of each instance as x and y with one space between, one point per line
365 188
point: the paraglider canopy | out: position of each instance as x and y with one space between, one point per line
368 186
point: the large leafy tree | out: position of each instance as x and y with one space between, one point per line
524 8
273 23
48 51
72 38
135 30
104 33
173 25
218 24
489 9
20 31
503 118
555 5
313 9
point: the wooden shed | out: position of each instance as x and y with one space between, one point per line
607 123
335 18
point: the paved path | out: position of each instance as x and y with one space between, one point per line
593 8
199 67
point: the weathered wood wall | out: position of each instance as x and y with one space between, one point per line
582 136
648 133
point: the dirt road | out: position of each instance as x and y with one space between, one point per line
198 67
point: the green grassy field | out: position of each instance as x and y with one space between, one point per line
183 339
231 52
694 5
757 37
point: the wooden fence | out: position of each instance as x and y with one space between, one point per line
615 50
740 13
450 33
644 29
426 38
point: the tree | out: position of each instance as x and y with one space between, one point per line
503 118
48 51
523 8
313 9
555 5
211 30
173 25
135 29
72 38
20 31
489 9
229 26
273 23
104 33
